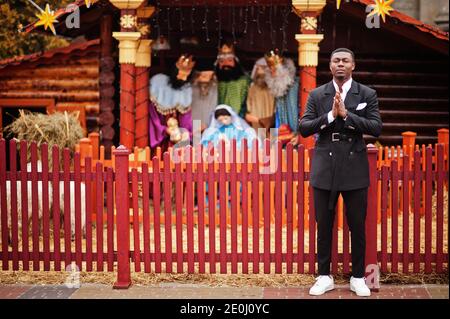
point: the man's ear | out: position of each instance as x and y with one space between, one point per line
353 66
329 65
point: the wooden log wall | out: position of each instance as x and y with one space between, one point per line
68 75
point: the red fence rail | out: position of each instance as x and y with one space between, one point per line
176 220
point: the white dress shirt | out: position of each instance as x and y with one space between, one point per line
345 88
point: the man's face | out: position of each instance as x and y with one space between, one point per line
226 63
342 65
275 67
204 80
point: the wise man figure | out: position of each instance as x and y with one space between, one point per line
204 94
233 81
260 101
283 83
170 115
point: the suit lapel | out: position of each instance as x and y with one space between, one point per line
328 96
352 98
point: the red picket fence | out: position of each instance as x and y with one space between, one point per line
173 217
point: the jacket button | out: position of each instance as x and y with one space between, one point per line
331 154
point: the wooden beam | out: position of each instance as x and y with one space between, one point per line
227 3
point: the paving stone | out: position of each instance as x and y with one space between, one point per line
12 291
48 292
438 291
193 291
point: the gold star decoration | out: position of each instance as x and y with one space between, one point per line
47 18
144 29
88 3
382 8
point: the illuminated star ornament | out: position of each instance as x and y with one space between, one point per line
47 18
382 8
88 3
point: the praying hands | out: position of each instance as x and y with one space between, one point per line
338 106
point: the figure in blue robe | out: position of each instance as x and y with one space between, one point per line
227 125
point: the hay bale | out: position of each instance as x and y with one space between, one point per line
62 129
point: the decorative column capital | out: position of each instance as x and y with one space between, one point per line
144 53
313 7
308 49
127 4
145 12
128 43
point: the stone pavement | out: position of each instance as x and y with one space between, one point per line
190 291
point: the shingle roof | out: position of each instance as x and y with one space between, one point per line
48 54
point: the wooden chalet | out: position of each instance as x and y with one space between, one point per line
104 73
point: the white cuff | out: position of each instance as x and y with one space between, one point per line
331 118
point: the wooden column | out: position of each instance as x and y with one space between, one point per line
143 63
128 44
308 51
107 64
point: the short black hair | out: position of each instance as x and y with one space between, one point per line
343 50
220 112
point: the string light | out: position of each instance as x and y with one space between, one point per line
274 28
271 14
253 19
219 25
269 21
240 16
180 13
158 12
233 23
205 23
168 24
285 15
192 18
258 27
246 20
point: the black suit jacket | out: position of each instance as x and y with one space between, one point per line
341 165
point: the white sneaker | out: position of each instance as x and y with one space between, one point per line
358 285
322 285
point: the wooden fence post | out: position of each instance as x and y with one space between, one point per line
371 218
85 150
409 140
95 142
123 219
443 139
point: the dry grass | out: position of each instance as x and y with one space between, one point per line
61 129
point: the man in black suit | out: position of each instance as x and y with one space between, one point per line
341 111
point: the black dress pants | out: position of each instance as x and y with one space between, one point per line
355 202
